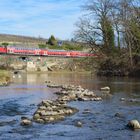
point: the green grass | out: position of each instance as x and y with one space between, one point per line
65 46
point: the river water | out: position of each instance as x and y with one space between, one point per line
22 96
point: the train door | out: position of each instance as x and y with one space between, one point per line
37 52
10 50
68 54
45 53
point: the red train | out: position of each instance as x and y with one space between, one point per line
43 52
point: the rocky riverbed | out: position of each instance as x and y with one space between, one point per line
52 111
114 117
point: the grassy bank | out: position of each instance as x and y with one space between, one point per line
4 77
4 73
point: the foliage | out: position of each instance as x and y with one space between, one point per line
110 27
111 66
5 44
96 28
108 36
71 46
42 46
52 41
65 46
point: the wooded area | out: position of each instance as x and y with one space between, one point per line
113 28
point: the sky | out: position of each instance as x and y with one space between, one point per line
40 18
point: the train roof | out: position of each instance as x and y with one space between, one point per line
22 48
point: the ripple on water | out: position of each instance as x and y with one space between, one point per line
20 99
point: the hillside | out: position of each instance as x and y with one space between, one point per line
18 39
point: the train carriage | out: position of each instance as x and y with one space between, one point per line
44 52
10 50
3 50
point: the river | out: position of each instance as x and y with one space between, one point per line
22 96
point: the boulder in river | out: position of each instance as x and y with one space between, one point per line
134 124
119 115
122 99
25 121
79 124
105 89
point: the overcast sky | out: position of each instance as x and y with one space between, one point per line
40 17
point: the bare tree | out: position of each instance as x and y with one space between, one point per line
87 33
130 22
97 26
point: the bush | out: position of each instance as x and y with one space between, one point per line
5 44
52 41
42 46
71 46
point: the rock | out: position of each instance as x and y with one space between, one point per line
36 116
78 124
105 89
122 99
46 103
25 121
43 113
119 115
51 119
96 99
132 100
50 85
134 124
42 107
86 111
40 121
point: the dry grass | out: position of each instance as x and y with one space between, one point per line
20 39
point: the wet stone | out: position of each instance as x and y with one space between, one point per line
134 124
119 115
78 124
36 116
40 121
25 121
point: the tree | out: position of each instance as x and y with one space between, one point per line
5 44
108 36
97 27
52 41
130 22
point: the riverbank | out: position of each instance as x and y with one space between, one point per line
4 78
60 72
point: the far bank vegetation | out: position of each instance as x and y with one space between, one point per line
113 29
54 43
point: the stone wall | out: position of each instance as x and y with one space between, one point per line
35 63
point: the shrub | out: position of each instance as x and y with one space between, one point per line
52 41
42 46
5 44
